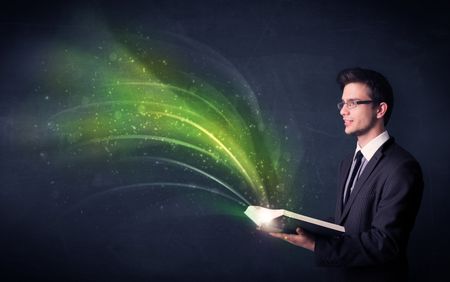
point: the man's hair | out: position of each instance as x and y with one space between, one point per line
380 89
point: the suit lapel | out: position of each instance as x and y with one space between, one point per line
345 169
371 165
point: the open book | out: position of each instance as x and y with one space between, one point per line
286 221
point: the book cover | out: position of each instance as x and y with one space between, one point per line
279 220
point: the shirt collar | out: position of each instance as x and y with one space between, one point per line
370 148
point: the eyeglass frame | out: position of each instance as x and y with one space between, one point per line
341 104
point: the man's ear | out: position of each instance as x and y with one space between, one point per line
381 110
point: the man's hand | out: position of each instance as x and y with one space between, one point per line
301 239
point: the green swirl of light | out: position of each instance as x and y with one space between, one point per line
132 97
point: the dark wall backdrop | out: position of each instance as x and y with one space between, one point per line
290 53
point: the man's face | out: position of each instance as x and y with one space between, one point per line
360 120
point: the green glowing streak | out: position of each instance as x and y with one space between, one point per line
253 183
165 86
146 185
115 103
151 137
140 96
217 141
200 172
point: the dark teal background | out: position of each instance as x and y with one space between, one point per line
290 53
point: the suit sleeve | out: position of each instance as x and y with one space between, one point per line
392 222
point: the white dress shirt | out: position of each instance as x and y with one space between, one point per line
367 151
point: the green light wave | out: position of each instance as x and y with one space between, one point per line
203 173
124 93
165 185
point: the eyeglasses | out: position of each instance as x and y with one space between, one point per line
353 103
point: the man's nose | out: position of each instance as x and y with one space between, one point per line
344 110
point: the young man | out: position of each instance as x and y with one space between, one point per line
379 189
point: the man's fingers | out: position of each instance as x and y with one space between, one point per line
280 235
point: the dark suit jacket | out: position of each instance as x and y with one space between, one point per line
378 218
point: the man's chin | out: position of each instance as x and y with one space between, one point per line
349 131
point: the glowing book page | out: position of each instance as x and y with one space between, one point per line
271 220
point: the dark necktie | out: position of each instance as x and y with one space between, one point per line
358 158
